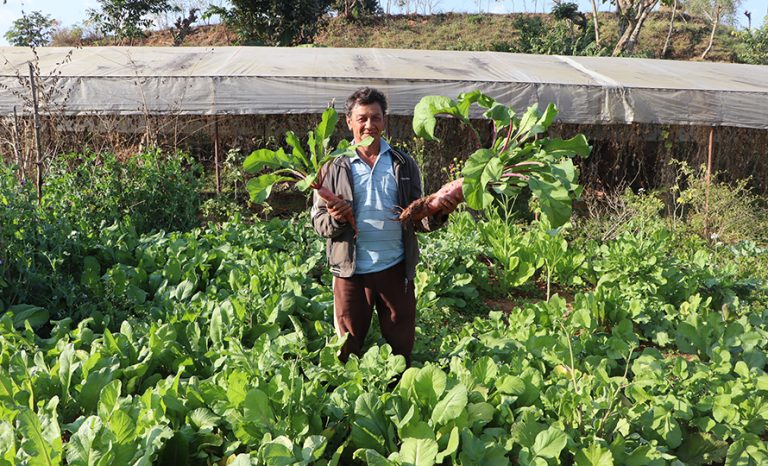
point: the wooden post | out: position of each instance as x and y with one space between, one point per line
216 153
16 149
708 180
38 149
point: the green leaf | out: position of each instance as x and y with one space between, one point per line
203 418
257 409
418 452
314 447
123 426
216 328
424 113
451 447
451 406
500 114
748 450
482 167
80 449
91 271
370 428
40 435
136 294
184 290
372 457
36 316
527 123
298 150
546 119
278 452
428 385
109 399
549 443
151 443
557 148
510 385
265 158
700 448
327 125
67 367
93 385
480 413
7 444
260 188
594 455
554 201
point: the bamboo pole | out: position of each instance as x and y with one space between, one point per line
708 180
38 149
216 153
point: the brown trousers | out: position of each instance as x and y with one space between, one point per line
354 299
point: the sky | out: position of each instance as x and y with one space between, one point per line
72 12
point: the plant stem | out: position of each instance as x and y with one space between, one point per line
475 134
509 136
615 393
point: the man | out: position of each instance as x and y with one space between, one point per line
374 268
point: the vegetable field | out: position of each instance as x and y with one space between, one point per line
132 338
226 354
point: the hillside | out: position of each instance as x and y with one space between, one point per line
511 32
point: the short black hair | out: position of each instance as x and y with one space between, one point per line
366 96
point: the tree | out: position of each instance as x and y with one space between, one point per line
356 8
126 19
715 11
273 22
753 45
569 11
669 32
632 15
31 30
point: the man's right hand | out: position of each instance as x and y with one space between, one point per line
339 209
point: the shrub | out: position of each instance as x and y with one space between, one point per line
753 46
153 190
732 213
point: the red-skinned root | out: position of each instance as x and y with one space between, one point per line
328 195
430 205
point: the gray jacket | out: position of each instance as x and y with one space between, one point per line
340 247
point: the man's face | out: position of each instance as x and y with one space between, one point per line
366 120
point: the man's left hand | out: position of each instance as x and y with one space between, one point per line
447 204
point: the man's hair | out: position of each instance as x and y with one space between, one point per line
366 96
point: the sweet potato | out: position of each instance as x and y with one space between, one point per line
328 195
430 205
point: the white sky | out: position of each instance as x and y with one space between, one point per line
71 12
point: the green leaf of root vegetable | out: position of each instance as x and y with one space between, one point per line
482 167
261 187
424 113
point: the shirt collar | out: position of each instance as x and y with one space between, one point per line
383 149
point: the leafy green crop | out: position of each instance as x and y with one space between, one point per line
519 156
217 345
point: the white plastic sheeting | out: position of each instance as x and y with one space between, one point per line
262 80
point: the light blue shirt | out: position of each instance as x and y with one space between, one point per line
380 236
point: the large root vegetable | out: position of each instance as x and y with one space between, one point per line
430 205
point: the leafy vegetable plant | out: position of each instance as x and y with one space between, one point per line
305 168
518 158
